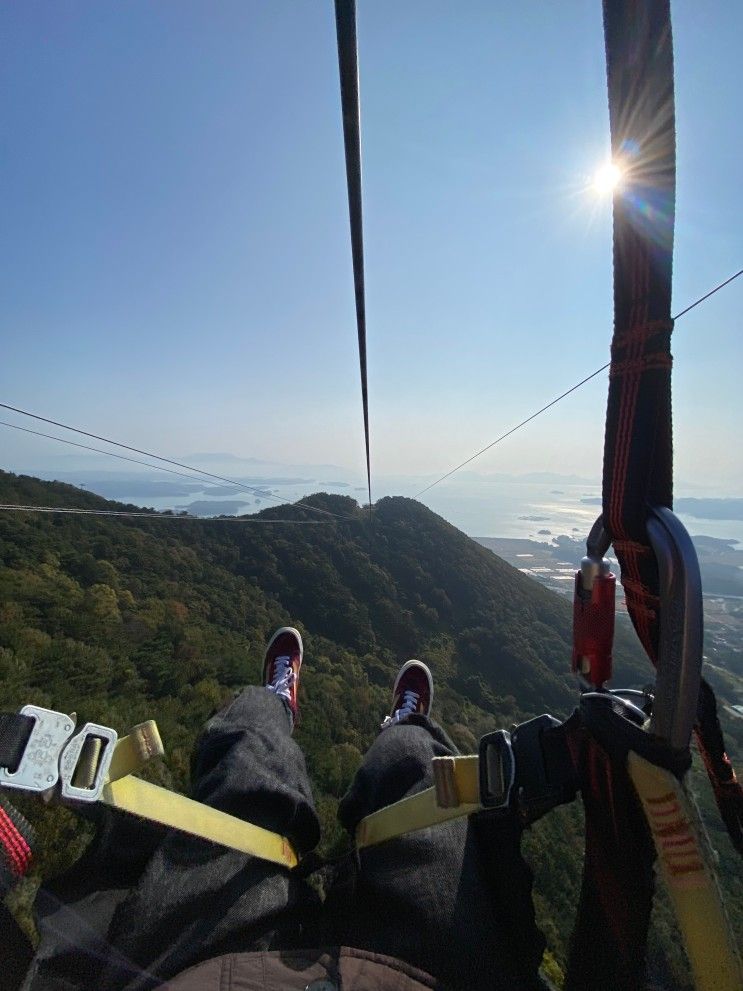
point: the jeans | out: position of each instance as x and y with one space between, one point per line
145 903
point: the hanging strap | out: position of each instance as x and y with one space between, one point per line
638 447
345 23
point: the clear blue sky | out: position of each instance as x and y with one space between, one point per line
175 264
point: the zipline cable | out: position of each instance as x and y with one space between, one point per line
148 454
345 24
573 388
14 507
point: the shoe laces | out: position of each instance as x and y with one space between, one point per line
409 706
283 677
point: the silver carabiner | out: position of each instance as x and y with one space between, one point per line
679 667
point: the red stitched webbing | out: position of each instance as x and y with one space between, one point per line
16 849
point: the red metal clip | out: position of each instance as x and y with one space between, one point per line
593 621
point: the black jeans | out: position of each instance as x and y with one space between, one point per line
145 903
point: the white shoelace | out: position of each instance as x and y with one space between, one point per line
283 677
408 707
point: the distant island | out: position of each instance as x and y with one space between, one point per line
711 509
702 509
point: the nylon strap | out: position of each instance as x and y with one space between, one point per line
638 443
15 731
175 811
17 842
691 883
638 455
345 24
150 801
133 751
17 838
456 793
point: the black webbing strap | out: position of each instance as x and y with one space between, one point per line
609 939
15 731
638 445
345 23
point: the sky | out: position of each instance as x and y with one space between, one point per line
175 265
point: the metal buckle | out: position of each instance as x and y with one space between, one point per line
497 768
71 756
39 766
52 752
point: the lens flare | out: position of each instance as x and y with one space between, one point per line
607 179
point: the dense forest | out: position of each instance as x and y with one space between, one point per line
121 620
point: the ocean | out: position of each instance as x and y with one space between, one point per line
479 505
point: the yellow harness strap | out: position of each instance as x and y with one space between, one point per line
456 793
149 801
691 883
178 812
132 752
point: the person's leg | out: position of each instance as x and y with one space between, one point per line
454 899
193 900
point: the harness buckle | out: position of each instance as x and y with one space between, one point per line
52 753
527 771
497 769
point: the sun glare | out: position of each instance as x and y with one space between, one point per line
607 179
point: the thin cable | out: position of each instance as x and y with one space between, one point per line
710 293
148 454
567 393
14 507
514 429
348 68
99 450
136 461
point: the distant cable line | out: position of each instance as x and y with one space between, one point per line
708 294
148 454
13 507
566 393
100 450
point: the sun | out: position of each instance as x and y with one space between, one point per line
607 179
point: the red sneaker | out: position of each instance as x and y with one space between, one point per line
281 666
413 692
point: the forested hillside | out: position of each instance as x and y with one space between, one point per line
121 620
